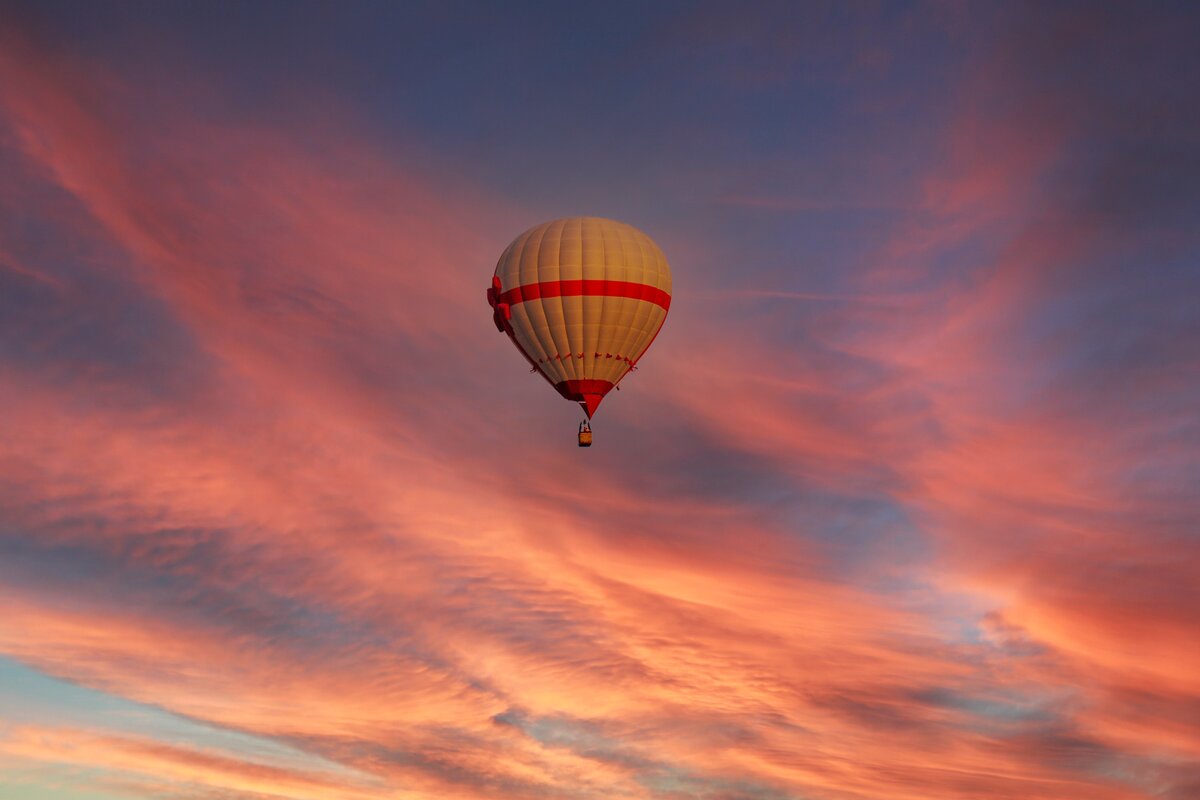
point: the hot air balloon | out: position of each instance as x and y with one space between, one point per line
582 298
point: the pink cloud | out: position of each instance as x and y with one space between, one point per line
325 541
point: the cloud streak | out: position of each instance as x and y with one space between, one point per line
266 467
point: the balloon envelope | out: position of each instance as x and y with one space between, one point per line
582 298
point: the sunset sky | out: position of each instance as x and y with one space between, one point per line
903 504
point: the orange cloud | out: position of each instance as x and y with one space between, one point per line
907 554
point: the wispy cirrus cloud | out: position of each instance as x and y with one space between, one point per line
935 544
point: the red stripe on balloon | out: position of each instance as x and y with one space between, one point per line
587 288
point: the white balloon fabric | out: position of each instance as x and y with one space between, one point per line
582 298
